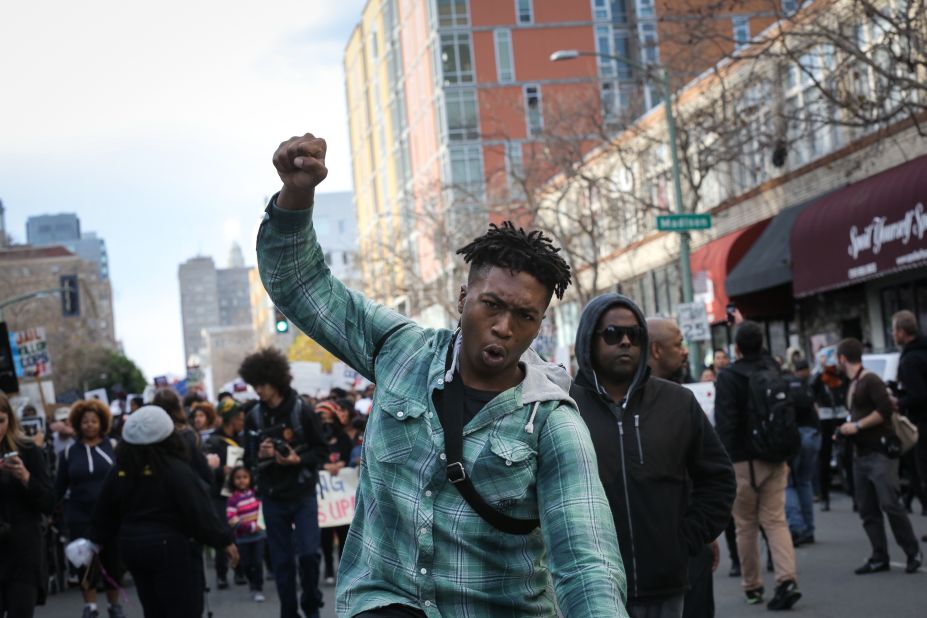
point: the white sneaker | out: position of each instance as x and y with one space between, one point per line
258 597
329 581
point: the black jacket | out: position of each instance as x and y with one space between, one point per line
912 377
286 482
731 396
22 507
168 499
669 482
218 444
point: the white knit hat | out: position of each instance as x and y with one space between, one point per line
147 425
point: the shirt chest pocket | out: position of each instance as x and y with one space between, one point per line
395 426
505 471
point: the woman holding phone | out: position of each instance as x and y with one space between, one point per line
25 495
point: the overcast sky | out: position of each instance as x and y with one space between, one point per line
155 122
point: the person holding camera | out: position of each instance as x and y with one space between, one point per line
25 495
874 469
284 445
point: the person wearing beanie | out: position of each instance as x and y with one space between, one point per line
218 443
159 511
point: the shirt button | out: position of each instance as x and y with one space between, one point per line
428 493
423 531
440 381
430 414
400 414
424 571
442 457
427 603
508 462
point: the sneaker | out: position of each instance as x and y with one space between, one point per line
872 566
222 583
914 563
735 570
116 611
755 596
258 597
329 581
240 579
786 596
90 612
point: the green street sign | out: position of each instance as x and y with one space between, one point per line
683 223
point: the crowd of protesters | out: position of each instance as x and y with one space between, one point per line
152 488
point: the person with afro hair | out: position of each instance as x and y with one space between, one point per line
478 490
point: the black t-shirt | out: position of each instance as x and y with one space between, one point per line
474 401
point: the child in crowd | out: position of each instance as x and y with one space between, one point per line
243 512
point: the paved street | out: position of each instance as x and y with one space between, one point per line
825 570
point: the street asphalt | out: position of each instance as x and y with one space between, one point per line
825 571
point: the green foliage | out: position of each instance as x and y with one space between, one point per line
108 369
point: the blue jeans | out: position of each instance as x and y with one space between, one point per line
799 495
293 539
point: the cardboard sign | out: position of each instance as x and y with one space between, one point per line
705 395
336 497
32 352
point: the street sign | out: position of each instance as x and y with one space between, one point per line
683 223
693 321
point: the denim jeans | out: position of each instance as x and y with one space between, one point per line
293 539
799 495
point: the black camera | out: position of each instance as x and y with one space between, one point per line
276 435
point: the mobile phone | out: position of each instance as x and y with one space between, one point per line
10 455
731 308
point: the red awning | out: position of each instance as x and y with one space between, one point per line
866 230
712 263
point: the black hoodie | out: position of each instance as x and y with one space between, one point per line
668 480
912 376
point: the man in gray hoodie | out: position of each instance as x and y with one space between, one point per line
668 480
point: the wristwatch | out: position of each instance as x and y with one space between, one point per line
858 426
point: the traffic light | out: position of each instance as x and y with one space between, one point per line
8 382
70 296
281 324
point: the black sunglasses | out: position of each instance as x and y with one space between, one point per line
613 335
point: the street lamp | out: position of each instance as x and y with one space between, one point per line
684 266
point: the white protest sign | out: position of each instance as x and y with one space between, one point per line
705 395
336 497
693 321
97 393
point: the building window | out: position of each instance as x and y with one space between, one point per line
374 47
524 11
456 61
644 8
614 99
789 7
515 168
741 31
534 119
505 65
452 13
466 163
600 9
462 120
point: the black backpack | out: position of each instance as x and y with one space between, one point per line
772 430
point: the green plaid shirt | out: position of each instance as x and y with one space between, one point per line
414 540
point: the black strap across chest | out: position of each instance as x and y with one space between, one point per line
451 416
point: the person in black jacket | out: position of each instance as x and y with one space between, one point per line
81 473
284 445
799 495
667 478
761 484
160 511
25 495
912 380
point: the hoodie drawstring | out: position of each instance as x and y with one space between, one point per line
637 430
89 458
534 412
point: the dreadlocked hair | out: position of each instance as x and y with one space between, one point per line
529 252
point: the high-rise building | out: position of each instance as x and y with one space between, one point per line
199 302
450 102
64 229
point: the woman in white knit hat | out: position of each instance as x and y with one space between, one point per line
160 510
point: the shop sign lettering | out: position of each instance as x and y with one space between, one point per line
881 232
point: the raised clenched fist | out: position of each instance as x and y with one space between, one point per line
300 162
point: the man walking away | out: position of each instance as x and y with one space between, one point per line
799 496
761 473
661 433
284 444
912 382
876 474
